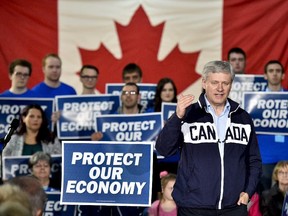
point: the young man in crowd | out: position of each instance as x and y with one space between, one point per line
88 77
237 58
130 97
273 148
132 73
20 70
52 86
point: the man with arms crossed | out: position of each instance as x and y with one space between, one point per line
220 163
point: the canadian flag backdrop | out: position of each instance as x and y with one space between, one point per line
167 38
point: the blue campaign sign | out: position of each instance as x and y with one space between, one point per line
10 108
18 166
53 207
107 173
147 91
246 83
131 127
78 113
269 111
285 206
168 109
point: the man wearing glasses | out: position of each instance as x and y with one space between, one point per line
20 71
130 98
88 77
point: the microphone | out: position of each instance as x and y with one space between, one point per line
13 126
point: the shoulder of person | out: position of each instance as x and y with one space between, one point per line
39 85
156 203
68 87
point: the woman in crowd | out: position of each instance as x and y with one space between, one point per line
32 135
165 206
272 200
166 91
40 165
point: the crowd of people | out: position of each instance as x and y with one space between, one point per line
217 174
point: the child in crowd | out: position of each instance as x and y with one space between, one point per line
165 206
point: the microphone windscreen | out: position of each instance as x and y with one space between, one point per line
15 123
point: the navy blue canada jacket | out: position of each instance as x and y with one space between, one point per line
204 180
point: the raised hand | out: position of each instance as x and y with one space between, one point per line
183 102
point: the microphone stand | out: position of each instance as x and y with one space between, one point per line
2 141
13 126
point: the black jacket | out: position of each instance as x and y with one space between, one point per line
271 202
204 179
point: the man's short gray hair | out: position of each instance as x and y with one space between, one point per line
218 67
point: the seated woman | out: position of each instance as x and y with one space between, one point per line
40 166
271 201
32 135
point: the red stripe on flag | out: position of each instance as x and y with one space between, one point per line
28 30
260 29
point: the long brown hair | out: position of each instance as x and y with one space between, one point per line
44 133
158 101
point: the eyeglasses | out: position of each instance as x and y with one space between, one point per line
89 77
22 75
282 173
129 93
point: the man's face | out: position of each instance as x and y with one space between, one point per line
20 77
217 86
133 77
238 62
89 78
274 74
129 97
52 69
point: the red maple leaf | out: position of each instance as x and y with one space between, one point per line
140 44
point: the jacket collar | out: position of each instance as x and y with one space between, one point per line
202 103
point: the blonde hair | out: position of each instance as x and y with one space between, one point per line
165 178
10 208
13 198
279 165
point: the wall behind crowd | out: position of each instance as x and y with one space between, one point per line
166 38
